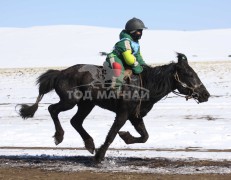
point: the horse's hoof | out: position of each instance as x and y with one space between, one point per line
98 157
98 160
91 150
58 138
89 145
56 141
126 136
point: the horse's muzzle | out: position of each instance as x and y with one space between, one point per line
203 96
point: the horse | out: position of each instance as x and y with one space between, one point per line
136 98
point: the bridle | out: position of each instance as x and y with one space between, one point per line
194 95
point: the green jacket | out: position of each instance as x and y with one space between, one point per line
126 42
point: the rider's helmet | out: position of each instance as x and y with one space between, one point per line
134 24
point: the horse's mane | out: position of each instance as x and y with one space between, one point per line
158 78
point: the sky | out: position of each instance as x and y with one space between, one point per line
156 14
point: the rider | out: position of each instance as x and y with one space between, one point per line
126 52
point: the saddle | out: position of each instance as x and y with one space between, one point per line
110 80
127 74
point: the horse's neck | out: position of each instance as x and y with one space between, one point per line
158 80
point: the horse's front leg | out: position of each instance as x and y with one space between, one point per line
117 125
140 128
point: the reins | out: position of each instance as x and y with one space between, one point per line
194 95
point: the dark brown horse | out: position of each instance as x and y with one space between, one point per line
84 86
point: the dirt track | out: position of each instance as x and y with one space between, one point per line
47 167
35 173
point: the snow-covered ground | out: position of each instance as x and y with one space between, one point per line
172 124
204 130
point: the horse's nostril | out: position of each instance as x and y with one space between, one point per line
206 94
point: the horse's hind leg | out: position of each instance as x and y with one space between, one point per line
54 110
140 128
84 108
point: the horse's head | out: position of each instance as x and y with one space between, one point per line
188 82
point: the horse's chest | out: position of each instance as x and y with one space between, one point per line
145 108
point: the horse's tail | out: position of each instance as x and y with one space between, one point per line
46 83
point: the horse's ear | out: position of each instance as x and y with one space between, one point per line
181 58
